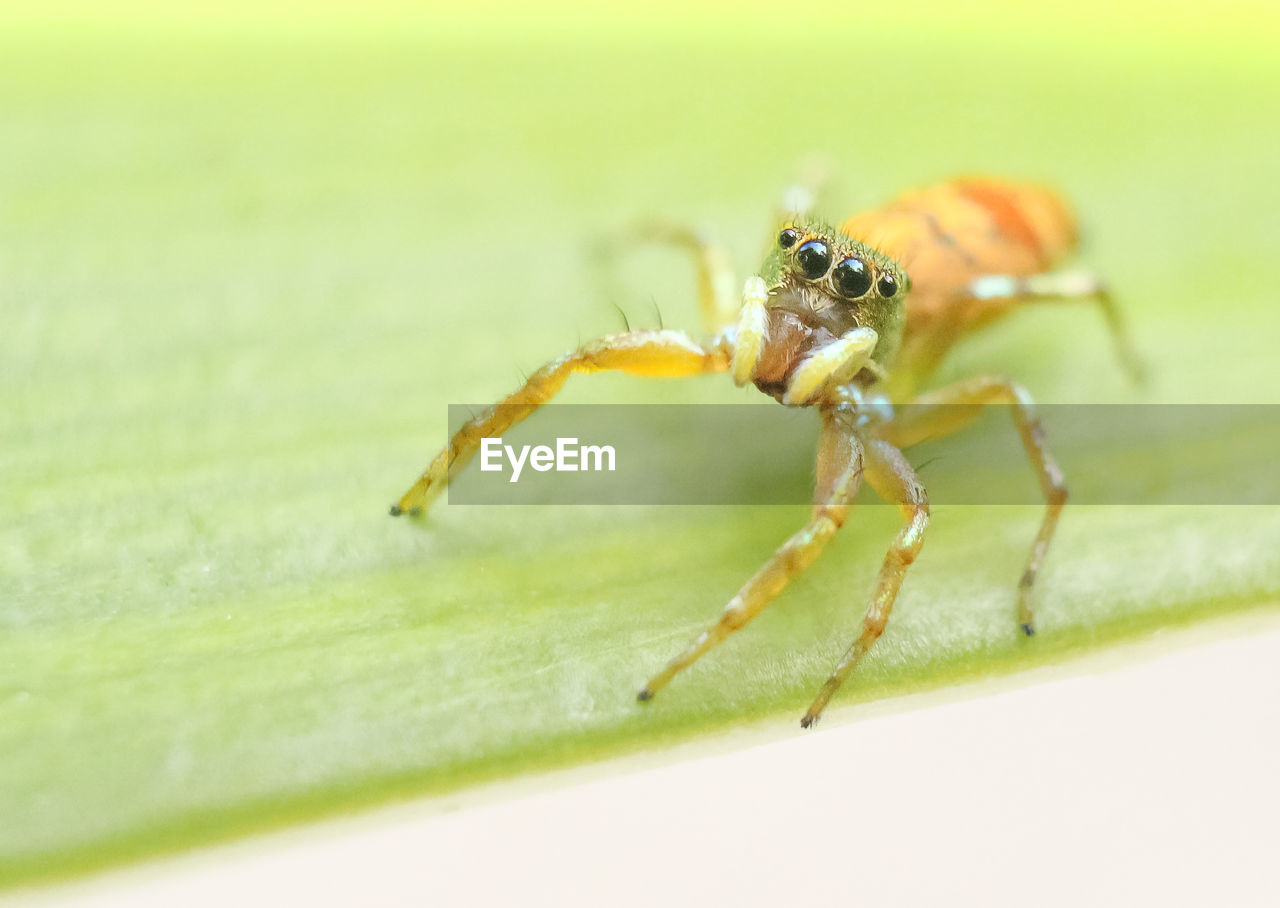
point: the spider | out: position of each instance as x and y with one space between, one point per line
836 322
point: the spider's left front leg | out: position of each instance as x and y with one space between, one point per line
839 476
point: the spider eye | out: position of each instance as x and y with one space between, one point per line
788 238
814 259
852 278
887 286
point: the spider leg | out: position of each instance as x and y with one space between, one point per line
717 295
889 473
658 354
949 410
839 469
994 295
813 183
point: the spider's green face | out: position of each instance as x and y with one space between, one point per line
823 260
835 282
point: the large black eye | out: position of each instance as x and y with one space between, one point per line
887 286
814 259
852 278
788 238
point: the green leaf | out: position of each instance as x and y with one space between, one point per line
244 272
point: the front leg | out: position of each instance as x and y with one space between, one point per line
895 481
657 354
839 477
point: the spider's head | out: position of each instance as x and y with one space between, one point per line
836 283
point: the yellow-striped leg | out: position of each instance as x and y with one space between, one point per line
893 479
950 409
839 472
659 354
717 293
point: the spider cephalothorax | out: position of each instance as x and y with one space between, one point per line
835 282
820 287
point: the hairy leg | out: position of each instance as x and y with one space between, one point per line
839 471
949 410
893 479
717 293
659 354
994 295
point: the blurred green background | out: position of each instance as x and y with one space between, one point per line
247 259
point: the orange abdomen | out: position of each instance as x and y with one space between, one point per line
949 234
